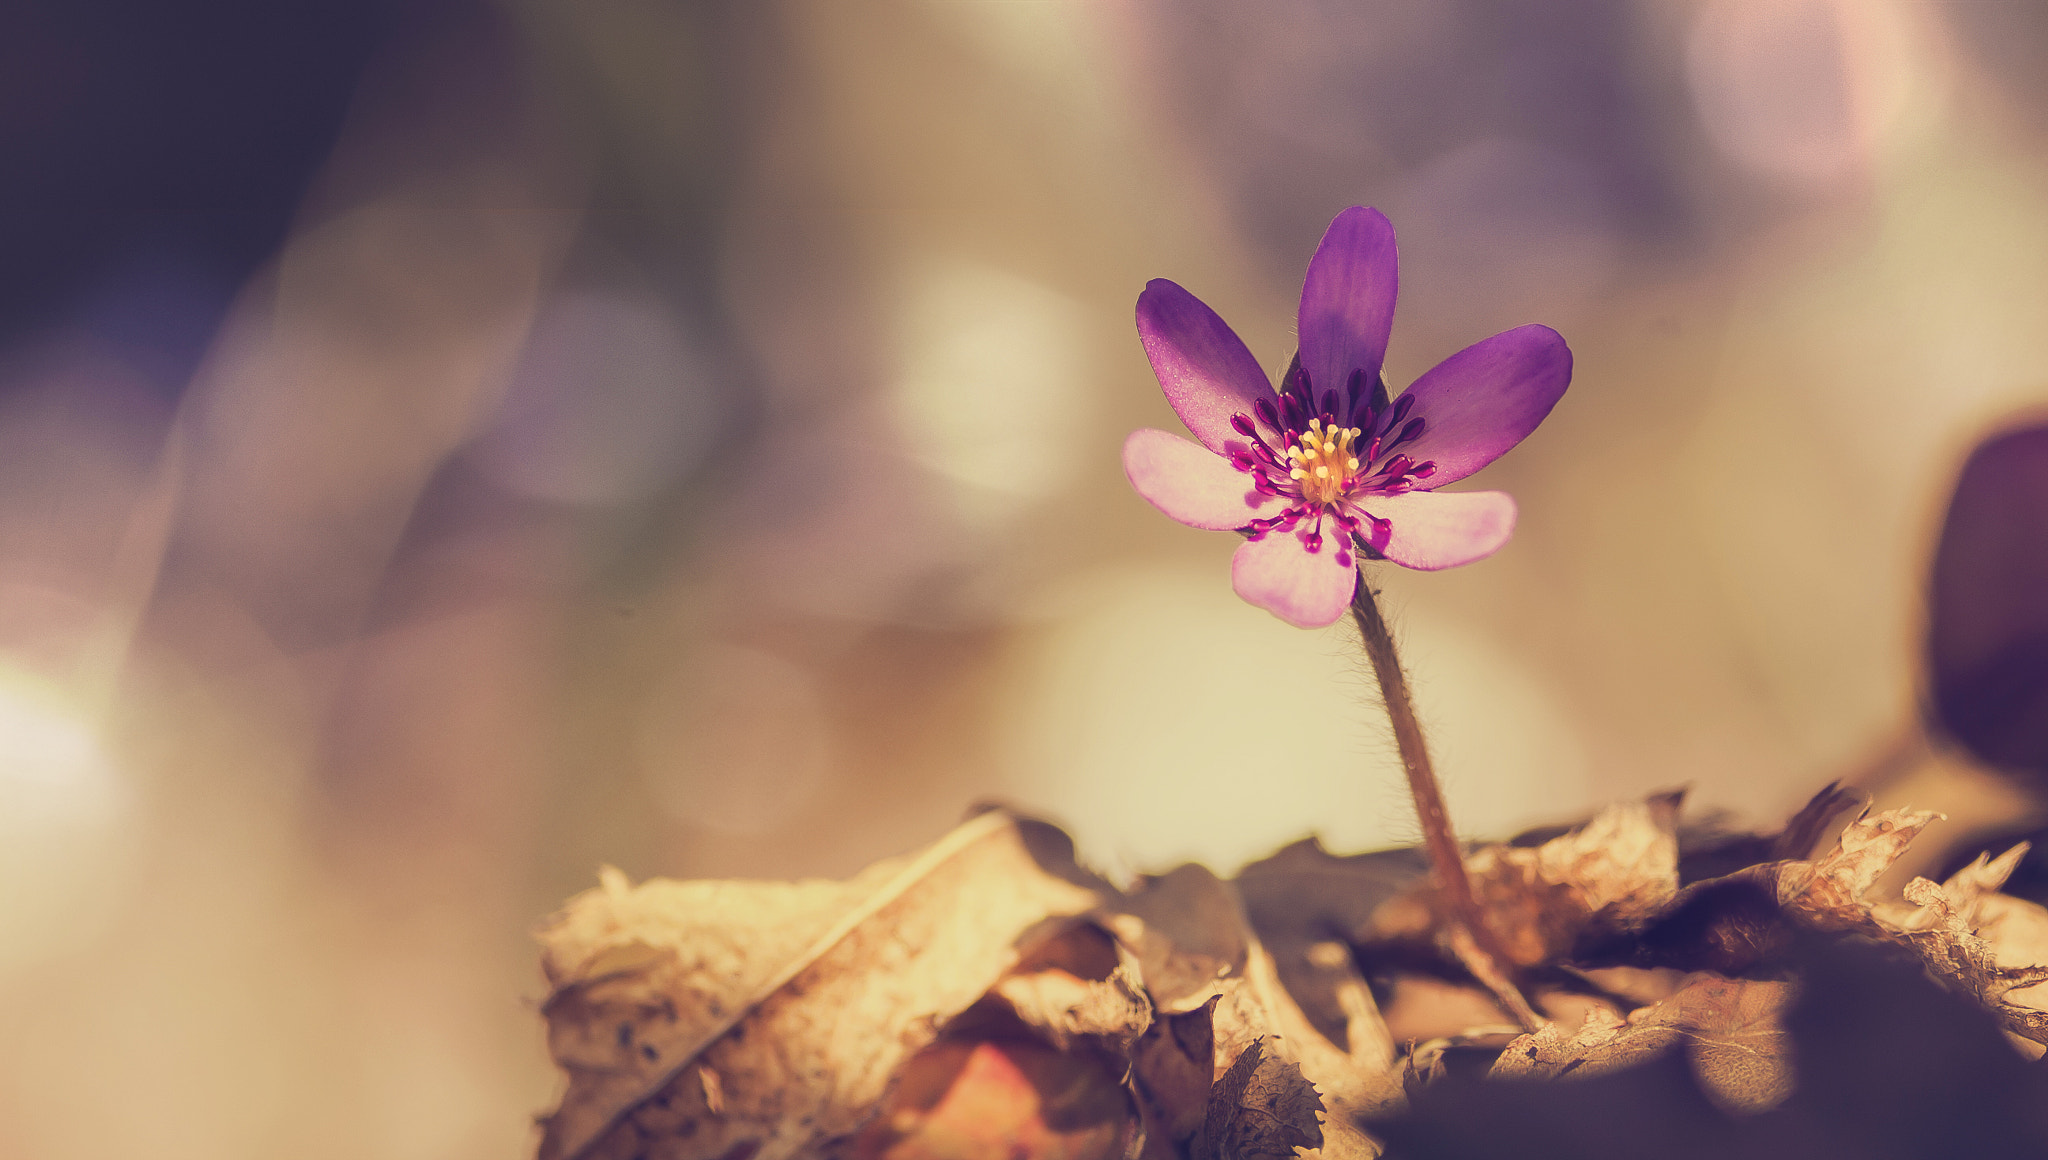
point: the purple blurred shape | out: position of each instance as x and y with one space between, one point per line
155 154
1987 633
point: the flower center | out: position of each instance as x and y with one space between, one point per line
1320 466
1323 461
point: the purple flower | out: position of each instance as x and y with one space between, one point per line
1330 463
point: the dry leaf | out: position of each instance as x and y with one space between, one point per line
1034 1068
801 1001
1728 1028
1734 923
981 1099
1173 1066
1261 1109
1707 851
1078 988
1303 901
1187 932
1253 1004
1613 872
1987 944
1889 1067
1828 893
641 976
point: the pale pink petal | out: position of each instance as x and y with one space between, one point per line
1347 300
1443 529
1197 487
1306 589
1485 399
1204 368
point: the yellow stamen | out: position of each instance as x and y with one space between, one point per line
1323 462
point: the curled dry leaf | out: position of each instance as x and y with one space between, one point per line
1733 923
1304 901
795 1005
1035 1068
1189 931
1355 1084
1889 1067
1728 1028
1828 892
1706 850
1261 1109
1986 944
1173 1067
1077 988
965 1098
1612 872
1248 1002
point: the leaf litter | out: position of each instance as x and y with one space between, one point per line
989 997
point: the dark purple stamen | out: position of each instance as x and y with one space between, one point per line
1243 460
1402 406
1242 424
1423 470
1267 415
1329 402
1409 432
1291 411
1295 382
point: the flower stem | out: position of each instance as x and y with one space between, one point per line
1473 940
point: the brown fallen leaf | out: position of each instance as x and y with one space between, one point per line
1988 945
1829 892
1889 1066
1250 1002
1000 1099
1613 872
1261 1109
1707 850
1728 1028
1187 931
801 1003
1077 988
1736 922
1304 902
1173 1067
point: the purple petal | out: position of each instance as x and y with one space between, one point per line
1438 529
1347 300
1202 365
1486 398
1196 487
1306 589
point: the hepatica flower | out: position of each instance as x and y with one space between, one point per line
1330 464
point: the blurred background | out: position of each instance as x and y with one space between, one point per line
446 446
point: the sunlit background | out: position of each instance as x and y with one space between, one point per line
446 447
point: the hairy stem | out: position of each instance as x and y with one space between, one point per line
1471 937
